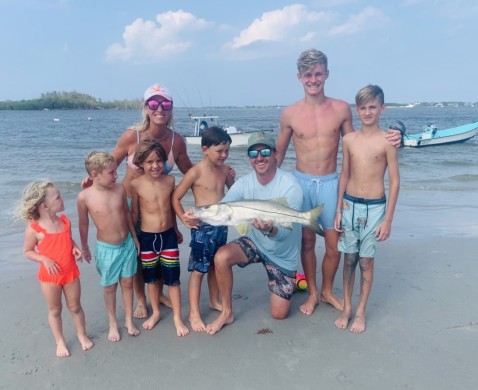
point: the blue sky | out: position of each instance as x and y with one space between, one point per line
238 52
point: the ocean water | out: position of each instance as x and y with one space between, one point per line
442 181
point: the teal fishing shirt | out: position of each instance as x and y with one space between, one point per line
282 250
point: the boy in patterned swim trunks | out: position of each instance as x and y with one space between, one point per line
363 217
206 180
159 237
117 245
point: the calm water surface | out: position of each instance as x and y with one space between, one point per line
34 147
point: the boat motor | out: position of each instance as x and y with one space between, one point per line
398 125
203 126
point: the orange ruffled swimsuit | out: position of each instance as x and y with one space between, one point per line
59 248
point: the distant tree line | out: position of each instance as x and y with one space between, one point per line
81 101
68 101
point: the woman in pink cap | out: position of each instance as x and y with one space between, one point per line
157 124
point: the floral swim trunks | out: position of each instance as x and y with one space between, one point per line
280 283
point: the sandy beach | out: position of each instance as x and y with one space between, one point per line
422 327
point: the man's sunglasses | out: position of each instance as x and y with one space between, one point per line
264 153
153 105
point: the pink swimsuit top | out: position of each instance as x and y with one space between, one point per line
168 165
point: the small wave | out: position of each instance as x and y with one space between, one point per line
465 178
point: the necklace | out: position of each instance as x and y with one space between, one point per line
162 138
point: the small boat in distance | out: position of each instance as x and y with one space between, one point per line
432 136
201 123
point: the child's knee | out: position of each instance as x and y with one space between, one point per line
75 308
126 283
54 310
111 289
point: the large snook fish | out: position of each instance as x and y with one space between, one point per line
241 213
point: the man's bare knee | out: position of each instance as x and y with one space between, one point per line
279 307
279 315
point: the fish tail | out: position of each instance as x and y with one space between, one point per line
313 220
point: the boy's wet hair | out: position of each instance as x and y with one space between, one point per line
144 149
214 136
34 195
369 93
98 161
309 58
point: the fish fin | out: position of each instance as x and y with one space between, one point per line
243 228
314 224
283 201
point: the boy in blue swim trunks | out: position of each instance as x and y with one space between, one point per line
159 238
363 215
117 245
206 180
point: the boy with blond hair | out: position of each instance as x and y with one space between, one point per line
159 236
206 180
116 245
315 124
363 214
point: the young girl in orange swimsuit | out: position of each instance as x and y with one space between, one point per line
48 241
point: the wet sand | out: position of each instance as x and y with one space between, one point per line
422 328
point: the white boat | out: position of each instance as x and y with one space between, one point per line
431 136
201 123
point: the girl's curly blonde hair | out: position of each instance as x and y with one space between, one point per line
34 195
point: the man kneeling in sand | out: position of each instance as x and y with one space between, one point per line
277 248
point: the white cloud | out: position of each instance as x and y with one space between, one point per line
287 24
368 19
146 41
308 37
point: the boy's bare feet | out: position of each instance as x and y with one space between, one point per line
197 323
343 321
216 305
165 300
113 334
309 305
131 327
85 342
333 300
141 310
62 349
358 324
151 322
181 328
221 320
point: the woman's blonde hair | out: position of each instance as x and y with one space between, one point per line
33 197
